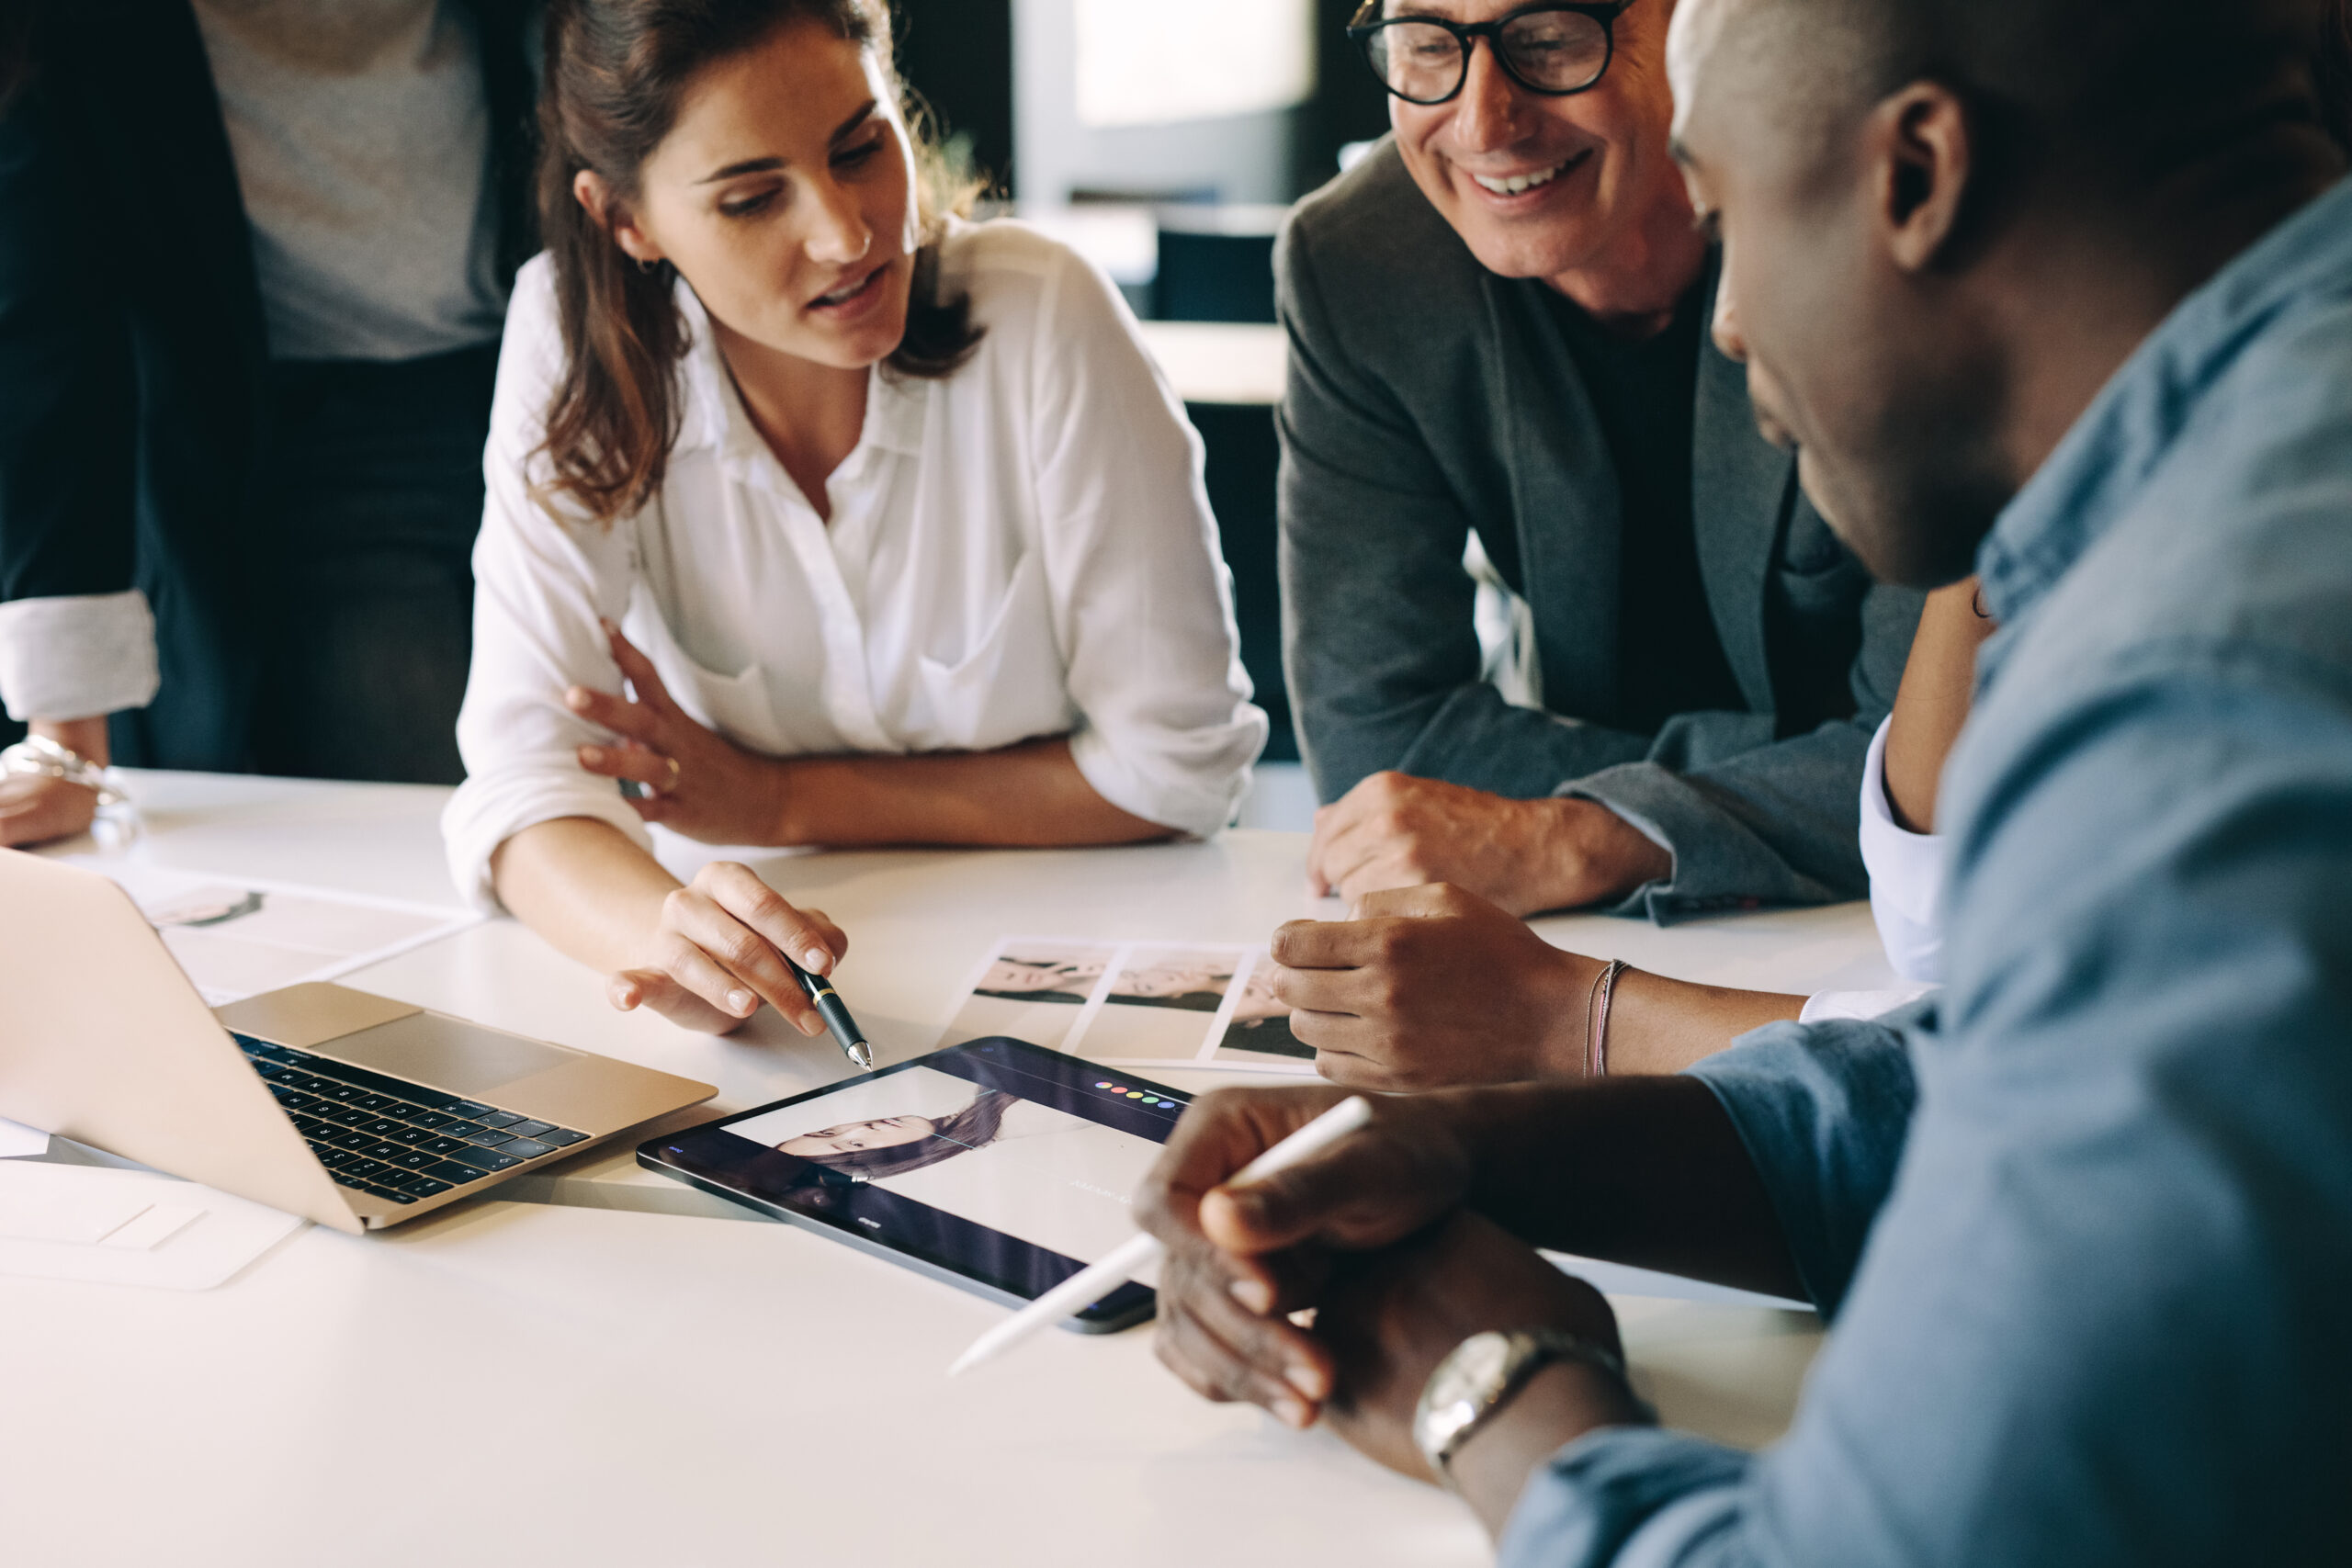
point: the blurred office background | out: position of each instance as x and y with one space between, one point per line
1166 143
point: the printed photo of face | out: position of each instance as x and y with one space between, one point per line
1194 980
1043 978
1260 1021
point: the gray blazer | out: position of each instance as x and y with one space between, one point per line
1429 397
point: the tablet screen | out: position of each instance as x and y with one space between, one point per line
1000 1161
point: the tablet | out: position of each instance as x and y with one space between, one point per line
996 1166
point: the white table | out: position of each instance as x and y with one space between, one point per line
564 1380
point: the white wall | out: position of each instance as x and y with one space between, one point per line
1246 157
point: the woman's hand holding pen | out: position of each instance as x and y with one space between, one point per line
690 780
718 952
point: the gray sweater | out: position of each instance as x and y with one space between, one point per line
1427 398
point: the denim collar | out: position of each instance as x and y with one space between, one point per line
2105 461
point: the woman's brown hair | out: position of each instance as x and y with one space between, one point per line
617 73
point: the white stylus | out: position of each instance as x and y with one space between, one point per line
1090 1284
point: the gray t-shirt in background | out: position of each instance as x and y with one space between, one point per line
361 135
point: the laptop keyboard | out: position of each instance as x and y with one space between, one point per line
392 1139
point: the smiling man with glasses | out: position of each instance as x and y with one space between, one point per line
1496 323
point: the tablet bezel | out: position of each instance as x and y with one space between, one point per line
710 1158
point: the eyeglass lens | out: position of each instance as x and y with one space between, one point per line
1551 52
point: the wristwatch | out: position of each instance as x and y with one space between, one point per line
1479 1376
37 756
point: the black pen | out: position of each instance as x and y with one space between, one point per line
831 1007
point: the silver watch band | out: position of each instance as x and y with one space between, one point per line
38 757
1481 1375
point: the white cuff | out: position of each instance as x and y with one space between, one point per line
1906 877
77 658
1824 1005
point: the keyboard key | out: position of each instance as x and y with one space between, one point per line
485 1159
345 1116
310 1127
562 1137
530 1128
417 1160
432 1120
488 1135
377 1103
384 1149
362 1168
394 1193
382 1126
497 1118
466 1108
461 1129
525 1148
352 1140
425 1187
340 1093
453 1173
411 1137
441 1145
336 1159
274 1071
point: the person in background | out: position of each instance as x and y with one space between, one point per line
1497 324
253 260
817 516
2084 1230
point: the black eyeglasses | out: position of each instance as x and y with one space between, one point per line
1552 48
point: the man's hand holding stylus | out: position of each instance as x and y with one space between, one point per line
1372 1235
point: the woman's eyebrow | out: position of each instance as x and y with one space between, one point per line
761 165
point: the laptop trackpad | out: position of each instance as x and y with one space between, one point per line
447 1053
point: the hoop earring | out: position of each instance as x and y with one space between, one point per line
648 266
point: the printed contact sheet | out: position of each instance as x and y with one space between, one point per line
1134 1003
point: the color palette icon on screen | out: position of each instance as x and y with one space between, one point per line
1140 1096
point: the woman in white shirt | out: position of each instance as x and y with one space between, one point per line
886 521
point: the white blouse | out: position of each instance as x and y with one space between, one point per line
1907 884
1022 549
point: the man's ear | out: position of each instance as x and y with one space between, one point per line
595 198
1922 150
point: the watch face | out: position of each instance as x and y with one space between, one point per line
1465 1383
1480 1362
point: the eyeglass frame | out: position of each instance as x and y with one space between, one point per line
1467 34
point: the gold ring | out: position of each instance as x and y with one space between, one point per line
676 771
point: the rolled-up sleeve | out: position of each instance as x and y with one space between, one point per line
78 655
1906 876
541 584
1142 600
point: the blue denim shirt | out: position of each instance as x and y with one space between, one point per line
2087 1232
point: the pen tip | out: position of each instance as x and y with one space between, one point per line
862 1054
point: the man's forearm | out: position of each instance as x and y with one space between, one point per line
1645 1171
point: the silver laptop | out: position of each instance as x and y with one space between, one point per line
342 1107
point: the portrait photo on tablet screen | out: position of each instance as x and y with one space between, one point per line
1003 1162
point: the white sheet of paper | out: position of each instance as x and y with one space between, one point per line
1624 1279
18 1140
237 937
128 1227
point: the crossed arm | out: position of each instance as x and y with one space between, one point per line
708 955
